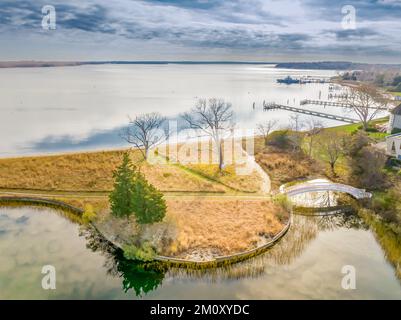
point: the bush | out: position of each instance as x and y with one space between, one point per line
395 130
144 252
396 81
89 214
369 129
283 201
366 168
386 205
284 139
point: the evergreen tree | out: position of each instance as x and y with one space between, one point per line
121 198
149 205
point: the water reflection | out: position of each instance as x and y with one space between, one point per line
137 276
301 233
146 277
306 263
319 199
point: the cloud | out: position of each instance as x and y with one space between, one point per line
231 26
354 34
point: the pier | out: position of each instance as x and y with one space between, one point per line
306 79
331 103
324 103
273 106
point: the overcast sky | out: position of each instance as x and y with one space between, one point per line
251 30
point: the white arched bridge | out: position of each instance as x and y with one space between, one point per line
323 185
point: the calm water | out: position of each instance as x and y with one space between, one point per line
81 108
306 264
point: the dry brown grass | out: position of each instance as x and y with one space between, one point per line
284 166
221 226
227 226
206 165
228 177
92 171
72 172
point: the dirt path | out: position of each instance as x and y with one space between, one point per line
172 195
265 188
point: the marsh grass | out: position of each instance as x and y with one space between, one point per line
284 167
93 172
226 226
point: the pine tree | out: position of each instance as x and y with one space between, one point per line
121 198
149 205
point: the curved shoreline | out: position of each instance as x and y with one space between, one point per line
225 260
171 261
41 202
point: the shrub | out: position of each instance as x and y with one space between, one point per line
396 81
385 204
369 129
278 139
144 252
366 168
284 139
283 201
89 214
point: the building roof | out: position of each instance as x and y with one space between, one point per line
397 110
394 136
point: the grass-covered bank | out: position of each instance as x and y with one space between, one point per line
93 172
197 223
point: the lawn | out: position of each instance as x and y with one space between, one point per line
350 128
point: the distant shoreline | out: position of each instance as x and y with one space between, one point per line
48 64
318 65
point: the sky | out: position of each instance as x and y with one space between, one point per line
240 30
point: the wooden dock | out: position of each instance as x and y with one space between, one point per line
272 106
331 103
324 103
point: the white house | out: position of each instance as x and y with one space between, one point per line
395 119
393 145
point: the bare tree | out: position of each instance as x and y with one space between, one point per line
265 128
296 123
314 126
366 101
212 118
332 146
145 132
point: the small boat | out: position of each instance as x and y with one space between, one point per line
288 80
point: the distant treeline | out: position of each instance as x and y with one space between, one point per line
38 64
320 65
335 65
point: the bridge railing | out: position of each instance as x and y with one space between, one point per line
325 186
